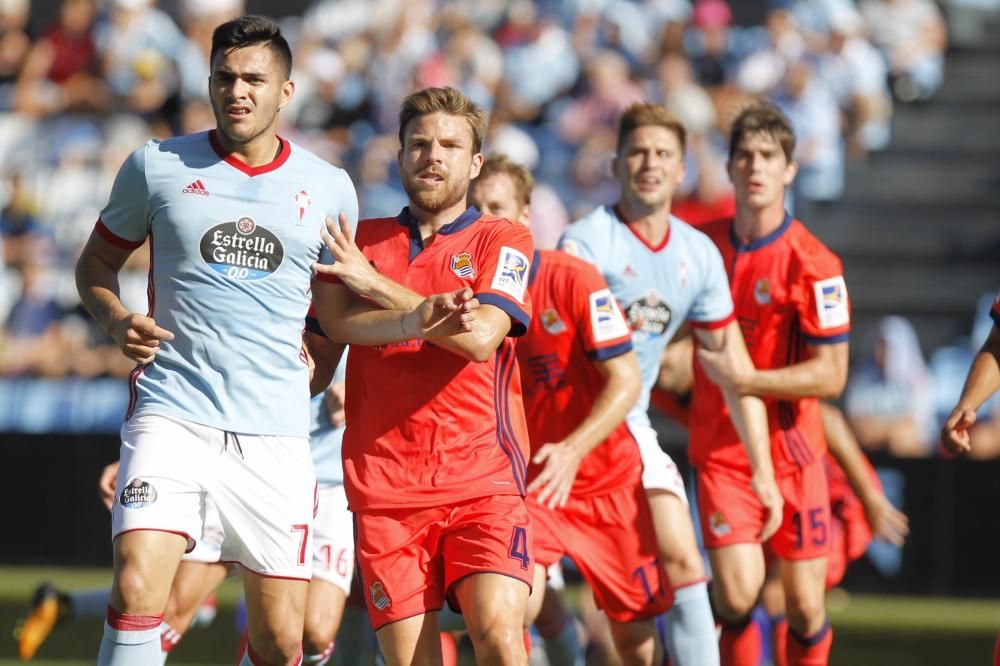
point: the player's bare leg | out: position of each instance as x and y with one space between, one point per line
324 611
558 630
145 562
809 633
414 641
738 573
494 607
636 643
772 597
534 605
675 538
193 583
275 611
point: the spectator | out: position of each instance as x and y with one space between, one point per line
889 397
913 37
14 46
29 342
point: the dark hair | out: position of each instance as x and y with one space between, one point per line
642 114
500 164
248 31
448 101
767 118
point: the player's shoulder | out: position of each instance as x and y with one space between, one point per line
600 221
809 250
313 161
566 264
179 145
718 231
373 227
500 228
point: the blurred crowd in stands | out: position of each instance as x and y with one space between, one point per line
82 90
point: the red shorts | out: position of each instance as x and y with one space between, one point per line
610 538
731 513
410 559
850 538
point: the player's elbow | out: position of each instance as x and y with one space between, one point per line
833 386
480 353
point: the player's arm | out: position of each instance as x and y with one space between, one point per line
982 382
137 335
486 329
885 521
676 374
347 319
749 418
623 382
822 375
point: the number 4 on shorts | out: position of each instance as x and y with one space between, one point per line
519 547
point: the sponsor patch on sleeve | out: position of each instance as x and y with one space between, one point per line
831 302
606 319
511 276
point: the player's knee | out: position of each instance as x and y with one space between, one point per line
282 646
501 640
804 609
733 602
137 592
683 567
318 634
636 650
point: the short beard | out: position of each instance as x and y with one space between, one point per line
434 201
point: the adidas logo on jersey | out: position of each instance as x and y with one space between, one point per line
197 187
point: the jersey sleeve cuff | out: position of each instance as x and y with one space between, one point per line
605 353
113 238
826 339
519 319
711 325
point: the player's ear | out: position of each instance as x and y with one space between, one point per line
477 164
287 90
790 172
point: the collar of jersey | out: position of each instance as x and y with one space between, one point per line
536 262
231 160
760 242
470 215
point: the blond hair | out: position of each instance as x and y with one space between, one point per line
448 101
643 114
500 164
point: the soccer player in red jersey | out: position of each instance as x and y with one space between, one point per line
436 450
792 305
982 382
580 378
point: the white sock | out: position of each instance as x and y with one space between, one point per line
130 640
689 629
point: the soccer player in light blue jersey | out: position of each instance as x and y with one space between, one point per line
664 273
220 396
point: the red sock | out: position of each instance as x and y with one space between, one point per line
242 647
996 652
780 639
809 650
169 638
449 651
527 642
740 643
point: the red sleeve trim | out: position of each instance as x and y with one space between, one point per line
712 325
113 238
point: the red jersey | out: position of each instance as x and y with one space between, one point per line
428 427
995 311
577 322
789 292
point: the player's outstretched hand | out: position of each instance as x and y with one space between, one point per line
106 484
955 433
767 492
721 368
333 400
556 479
441 315
350 263
887 523
139 337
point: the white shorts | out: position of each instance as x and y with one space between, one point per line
658 468
333 538
208 546
263 488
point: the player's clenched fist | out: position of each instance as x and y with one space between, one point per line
139 337
955 433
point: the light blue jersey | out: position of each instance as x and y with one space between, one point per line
658 288
325 440
231 253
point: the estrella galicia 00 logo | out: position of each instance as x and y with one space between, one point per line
137 494
242 250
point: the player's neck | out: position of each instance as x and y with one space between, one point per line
432 221
752 224
651 225
258 151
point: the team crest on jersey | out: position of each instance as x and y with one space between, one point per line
719 525
137 494
302 202
762 291
242 250
831 302
552 323
606 320
380 599
511 276
649 315
461 265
